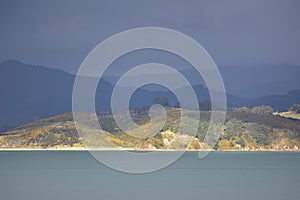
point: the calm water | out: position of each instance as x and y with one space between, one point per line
222 175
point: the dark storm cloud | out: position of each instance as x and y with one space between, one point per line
61 33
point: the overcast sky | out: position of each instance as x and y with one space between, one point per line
61 33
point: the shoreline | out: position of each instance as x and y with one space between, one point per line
142 150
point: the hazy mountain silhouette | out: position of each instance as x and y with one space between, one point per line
247 81
30 92
261 79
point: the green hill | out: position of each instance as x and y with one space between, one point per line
242 131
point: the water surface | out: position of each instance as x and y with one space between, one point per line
71 175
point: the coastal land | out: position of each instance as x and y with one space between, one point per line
243 131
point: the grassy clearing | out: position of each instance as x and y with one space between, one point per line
290 115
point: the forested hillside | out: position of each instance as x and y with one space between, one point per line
243 130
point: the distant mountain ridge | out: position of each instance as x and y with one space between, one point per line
247 81
29 92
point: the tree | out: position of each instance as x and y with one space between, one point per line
161 100
241 142
243 109
233 128
295 108
262 110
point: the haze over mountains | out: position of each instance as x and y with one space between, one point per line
253 81
30 92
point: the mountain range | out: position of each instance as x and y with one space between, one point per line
31 92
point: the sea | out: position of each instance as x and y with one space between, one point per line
77 175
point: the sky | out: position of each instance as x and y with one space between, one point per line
60 34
